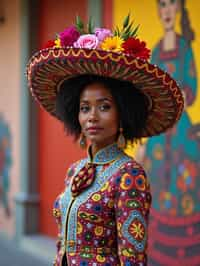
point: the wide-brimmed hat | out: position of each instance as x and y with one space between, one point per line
117 55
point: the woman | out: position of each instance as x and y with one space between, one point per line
104 91
172 159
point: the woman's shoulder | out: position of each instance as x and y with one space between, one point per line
131 175
73 169
181 42
74 166
133 166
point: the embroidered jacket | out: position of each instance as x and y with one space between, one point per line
106 224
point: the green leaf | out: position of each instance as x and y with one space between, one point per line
118 31
126 21
125 36
128 29
79 23
133 33
115 32
90 26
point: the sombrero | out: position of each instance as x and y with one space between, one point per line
118 55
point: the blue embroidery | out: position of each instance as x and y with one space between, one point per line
127 263
83 263
134 215
107 154
66 198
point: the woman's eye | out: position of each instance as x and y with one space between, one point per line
162 3
84 109
104 107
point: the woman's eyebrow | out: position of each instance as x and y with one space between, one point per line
98 100
104 99
84 101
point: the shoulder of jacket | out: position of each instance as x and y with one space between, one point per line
132 163
74 168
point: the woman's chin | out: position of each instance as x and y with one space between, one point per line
95 139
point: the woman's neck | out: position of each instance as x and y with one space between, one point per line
169 40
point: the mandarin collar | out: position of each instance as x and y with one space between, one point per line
105 155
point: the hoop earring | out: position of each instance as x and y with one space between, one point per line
82 141
121 141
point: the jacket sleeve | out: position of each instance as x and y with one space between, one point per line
133 200
57 213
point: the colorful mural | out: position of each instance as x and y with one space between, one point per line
172 160
5 164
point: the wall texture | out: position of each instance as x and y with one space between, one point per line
10 110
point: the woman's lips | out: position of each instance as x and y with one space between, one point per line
94 130
168 20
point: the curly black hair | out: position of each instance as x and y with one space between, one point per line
132 104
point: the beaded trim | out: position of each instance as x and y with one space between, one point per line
107 154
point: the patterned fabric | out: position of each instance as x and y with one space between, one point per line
106 224
48 68
172 164
83 179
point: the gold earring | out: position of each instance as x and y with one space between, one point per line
121 141
82 141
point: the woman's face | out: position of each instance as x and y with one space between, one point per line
98 115
167 10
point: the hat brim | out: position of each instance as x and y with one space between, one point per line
49 67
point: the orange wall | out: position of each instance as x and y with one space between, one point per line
56 150
107 14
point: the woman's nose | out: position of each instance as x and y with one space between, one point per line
93 117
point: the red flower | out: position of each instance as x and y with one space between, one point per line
49 44
136 48
69 36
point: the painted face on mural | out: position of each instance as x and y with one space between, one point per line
98 115
167 10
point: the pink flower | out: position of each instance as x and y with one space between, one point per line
69 36
102 33
89 41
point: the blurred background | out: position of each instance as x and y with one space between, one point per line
35 152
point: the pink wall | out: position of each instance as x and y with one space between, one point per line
10 98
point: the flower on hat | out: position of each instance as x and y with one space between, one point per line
102 33
119 41
69 36
113 44
137 48
50 43
57 42
89 41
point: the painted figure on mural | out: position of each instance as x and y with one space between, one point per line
5 164
172 160
105 92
